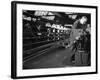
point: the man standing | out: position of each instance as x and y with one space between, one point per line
78 29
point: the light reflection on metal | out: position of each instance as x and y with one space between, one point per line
26 18
72 16
58 27
34 19
69 12
48 17
40 13
50 13
48 25
68 25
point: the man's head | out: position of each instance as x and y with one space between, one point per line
83 20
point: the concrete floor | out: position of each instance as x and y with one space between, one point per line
58 57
